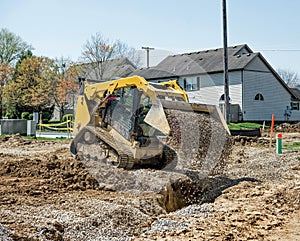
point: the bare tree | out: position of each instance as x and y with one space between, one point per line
98 50
123 50
291 78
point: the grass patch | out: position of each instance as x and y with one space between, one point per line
295 146
35 138
244 126
44 138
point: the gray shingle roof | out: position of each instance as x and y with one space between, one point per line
296 92
120 67
207 61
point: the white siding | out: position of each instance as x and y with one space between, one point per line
276 97
212 87
257 65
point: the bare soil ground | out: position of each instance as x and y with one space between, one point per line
46 194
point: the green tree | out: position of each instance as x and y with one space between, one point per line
12 47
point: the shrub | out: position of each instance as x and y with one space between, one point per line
46 116
25 115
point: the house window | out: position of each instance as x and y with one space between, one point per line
295 105
191 84
259 96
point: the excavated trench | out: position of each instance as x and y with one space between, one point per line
202 145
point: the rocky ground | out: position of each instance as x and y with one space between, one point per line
46 194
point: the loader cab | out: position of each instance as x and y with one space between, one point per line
125 111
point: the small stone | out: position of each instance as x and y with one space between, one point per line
109 188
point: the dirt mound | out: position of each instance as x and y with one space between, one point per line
15 140
47 173
288 127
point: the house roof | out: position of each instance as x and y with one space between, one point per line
201 62
120 67
296 92
207 62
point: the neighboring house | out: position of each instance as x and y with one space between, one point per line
256 91
114 68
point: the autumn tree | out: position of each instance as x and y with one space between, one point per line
66 85
98 50
12 47
6 73
291 78
32 88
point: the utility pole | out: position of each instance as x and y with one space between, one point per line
226 79
148 50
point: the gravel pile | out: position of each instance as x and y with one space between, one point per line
89 219
200 140
261 164
164 225
193 209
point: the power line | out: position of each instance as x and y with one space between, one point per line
280 50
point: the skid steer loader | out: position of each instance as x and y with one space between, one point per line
123 122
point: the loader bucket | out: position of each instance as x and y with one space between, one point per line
212 110
156 117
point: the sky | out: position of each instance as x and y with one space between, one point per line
57 28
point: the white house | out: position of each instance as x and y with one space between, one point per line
256 91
